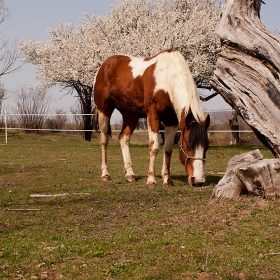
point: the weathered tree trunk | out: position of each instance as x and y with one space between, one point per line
249 173
234 126
247 70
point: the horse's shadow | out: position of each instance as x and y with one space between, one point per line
211 180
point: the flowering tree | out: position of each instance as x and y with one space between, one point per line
154 26
73 54
66 60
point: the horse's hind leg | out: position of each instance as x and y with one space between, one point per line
129 124
170 132
105 130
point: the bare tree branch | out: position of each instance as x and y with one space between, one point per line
208 97
9 53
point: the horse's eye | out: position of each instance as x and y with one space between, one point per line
188 147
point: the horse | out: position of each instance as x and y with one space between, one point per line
162 89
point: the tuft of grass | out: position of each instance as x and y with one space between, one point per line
117 230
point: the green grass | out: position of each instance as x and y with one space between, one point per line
117 230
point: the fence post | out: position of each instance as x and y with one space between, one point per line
6 127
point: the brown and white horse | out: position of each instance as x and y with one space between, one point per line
162 89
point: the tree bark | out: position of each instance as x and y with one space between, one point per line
247 70
234 126
249 173
86 101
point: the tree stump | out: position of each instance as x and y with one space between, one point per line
248 70
249 173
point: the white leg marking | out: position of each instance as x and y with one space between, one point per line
124 142
104 139
199 165
153 148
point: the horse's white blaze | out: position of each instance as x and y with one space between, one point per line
198 165
124 142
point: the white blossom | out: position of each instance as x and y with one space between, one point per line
132 27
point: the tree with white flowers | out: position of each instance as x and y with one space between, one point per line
73 54
66 60
188 26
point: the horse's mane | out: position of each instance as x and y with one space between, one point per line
192 100
198 135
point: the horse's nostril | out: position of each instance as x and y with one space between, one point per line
197 183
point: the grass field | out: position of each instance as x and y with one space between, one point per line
116 230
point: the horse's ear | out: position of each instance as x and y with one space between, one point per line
189 119
206 122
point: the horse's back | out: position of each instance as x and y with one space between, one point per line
108 72
133 85
116 87
104 80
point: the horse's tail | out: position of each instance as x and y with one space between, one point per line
96 117
110 130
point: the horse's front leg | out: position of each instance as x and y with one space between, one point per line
153 150
129 124
170 132
104 126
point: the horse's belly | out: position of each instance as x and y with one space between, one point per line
130 104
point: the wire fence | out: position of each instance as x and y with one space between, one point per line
72 123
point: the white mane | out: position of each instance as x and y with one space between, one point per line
172 75
190 93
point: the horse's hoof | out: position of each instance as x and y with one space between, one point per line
130 178
151 185
106 177
168 184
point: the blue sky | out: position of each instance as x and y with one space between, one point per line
31 19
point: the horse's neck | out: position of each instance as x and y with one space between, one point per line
182 120
184 94
184 112
181 106
183 109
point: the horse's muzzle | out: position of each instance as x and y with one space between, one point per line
199 183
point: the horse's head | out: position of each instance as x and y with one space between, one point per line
193 146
